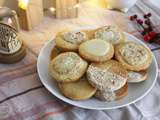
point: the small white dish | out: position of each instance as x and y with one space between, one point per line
123 5
135 91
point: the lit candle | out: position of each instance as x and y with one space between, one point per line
76 6
23 4
30 13
66 8
52 9
97 3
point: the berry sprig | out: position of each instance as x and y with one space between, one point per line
148 21
138 21
149 35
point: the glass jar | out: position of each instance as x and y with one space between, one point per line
9 27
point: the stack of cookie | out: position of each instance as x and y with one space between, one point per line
97 63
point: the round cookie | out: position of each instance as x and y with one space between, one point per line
110 34
108 95
67 67
96 50
80 90
70 40
107 75
136 77
133 56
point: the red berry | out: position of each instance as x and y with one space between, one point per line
149 14
146 38
150 28
147 22
139 21
132 18
152 34
135 16
145 16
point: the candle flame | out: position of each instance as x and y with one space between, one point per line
23 4
76 6
97 3
52 9
9 21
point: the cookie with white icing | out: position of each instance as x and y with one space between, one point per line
70 40
110 34
133 56
96 50
109 78
67 67
108 95
136 77
80 90
107 75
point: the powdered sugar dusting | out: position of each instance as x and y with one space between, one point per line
104 79
66 63
134 76
75 37
134 54
110 34
106 95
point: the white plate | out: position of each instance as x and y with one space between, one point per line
135 92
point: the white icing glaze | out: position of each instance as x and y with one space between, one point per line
103 79
108 33
134 76
134 54
106 95
66 63
75 37
96 47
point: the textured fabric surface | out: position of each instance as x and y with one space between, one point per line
23 97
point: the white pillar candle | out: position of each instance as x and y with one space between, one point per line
30 13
